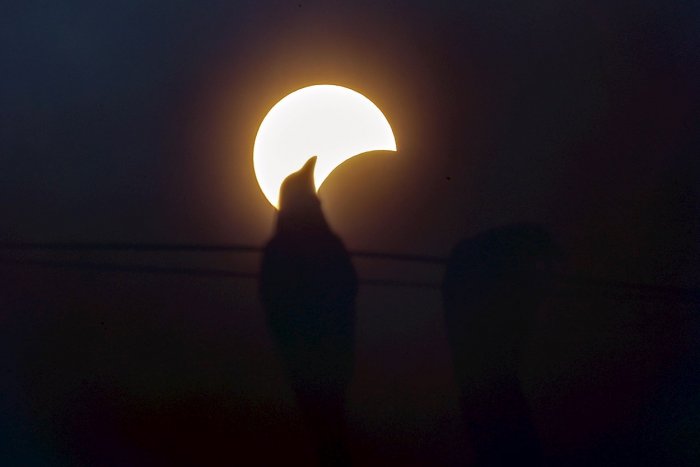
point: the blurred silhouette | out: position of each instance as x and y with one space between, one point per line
308 287
491 289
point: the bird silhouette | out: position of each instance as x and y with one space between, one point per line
308 288
491 290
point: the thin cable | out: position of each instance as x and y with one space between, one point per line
194 247
573 280
196 272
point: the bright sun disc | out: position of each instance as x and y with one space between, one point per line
331 122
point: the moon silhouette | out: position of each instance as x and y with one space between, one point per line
331 122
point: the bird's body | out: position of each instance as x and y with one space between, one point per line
308 288
491 291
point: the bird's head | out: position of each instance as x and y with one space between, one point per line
298 189
299 204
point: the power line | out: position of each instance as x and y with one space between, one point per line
131 268
656 291
122 246
605 289
613 287
185 271
196 247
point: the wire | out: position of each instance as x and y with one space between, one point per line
610 287
195 247
197 272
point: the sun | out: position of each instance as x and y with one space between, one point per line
331 122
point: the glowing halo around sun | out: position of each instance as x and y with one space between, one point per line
331 122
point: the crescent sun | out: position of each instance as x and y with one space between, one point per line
331 122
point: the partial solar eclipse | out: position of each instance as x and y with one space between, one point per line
331 122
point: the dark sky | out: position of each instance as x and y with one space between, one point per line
135 122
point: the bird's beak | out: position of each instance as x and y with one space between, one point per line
308 172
